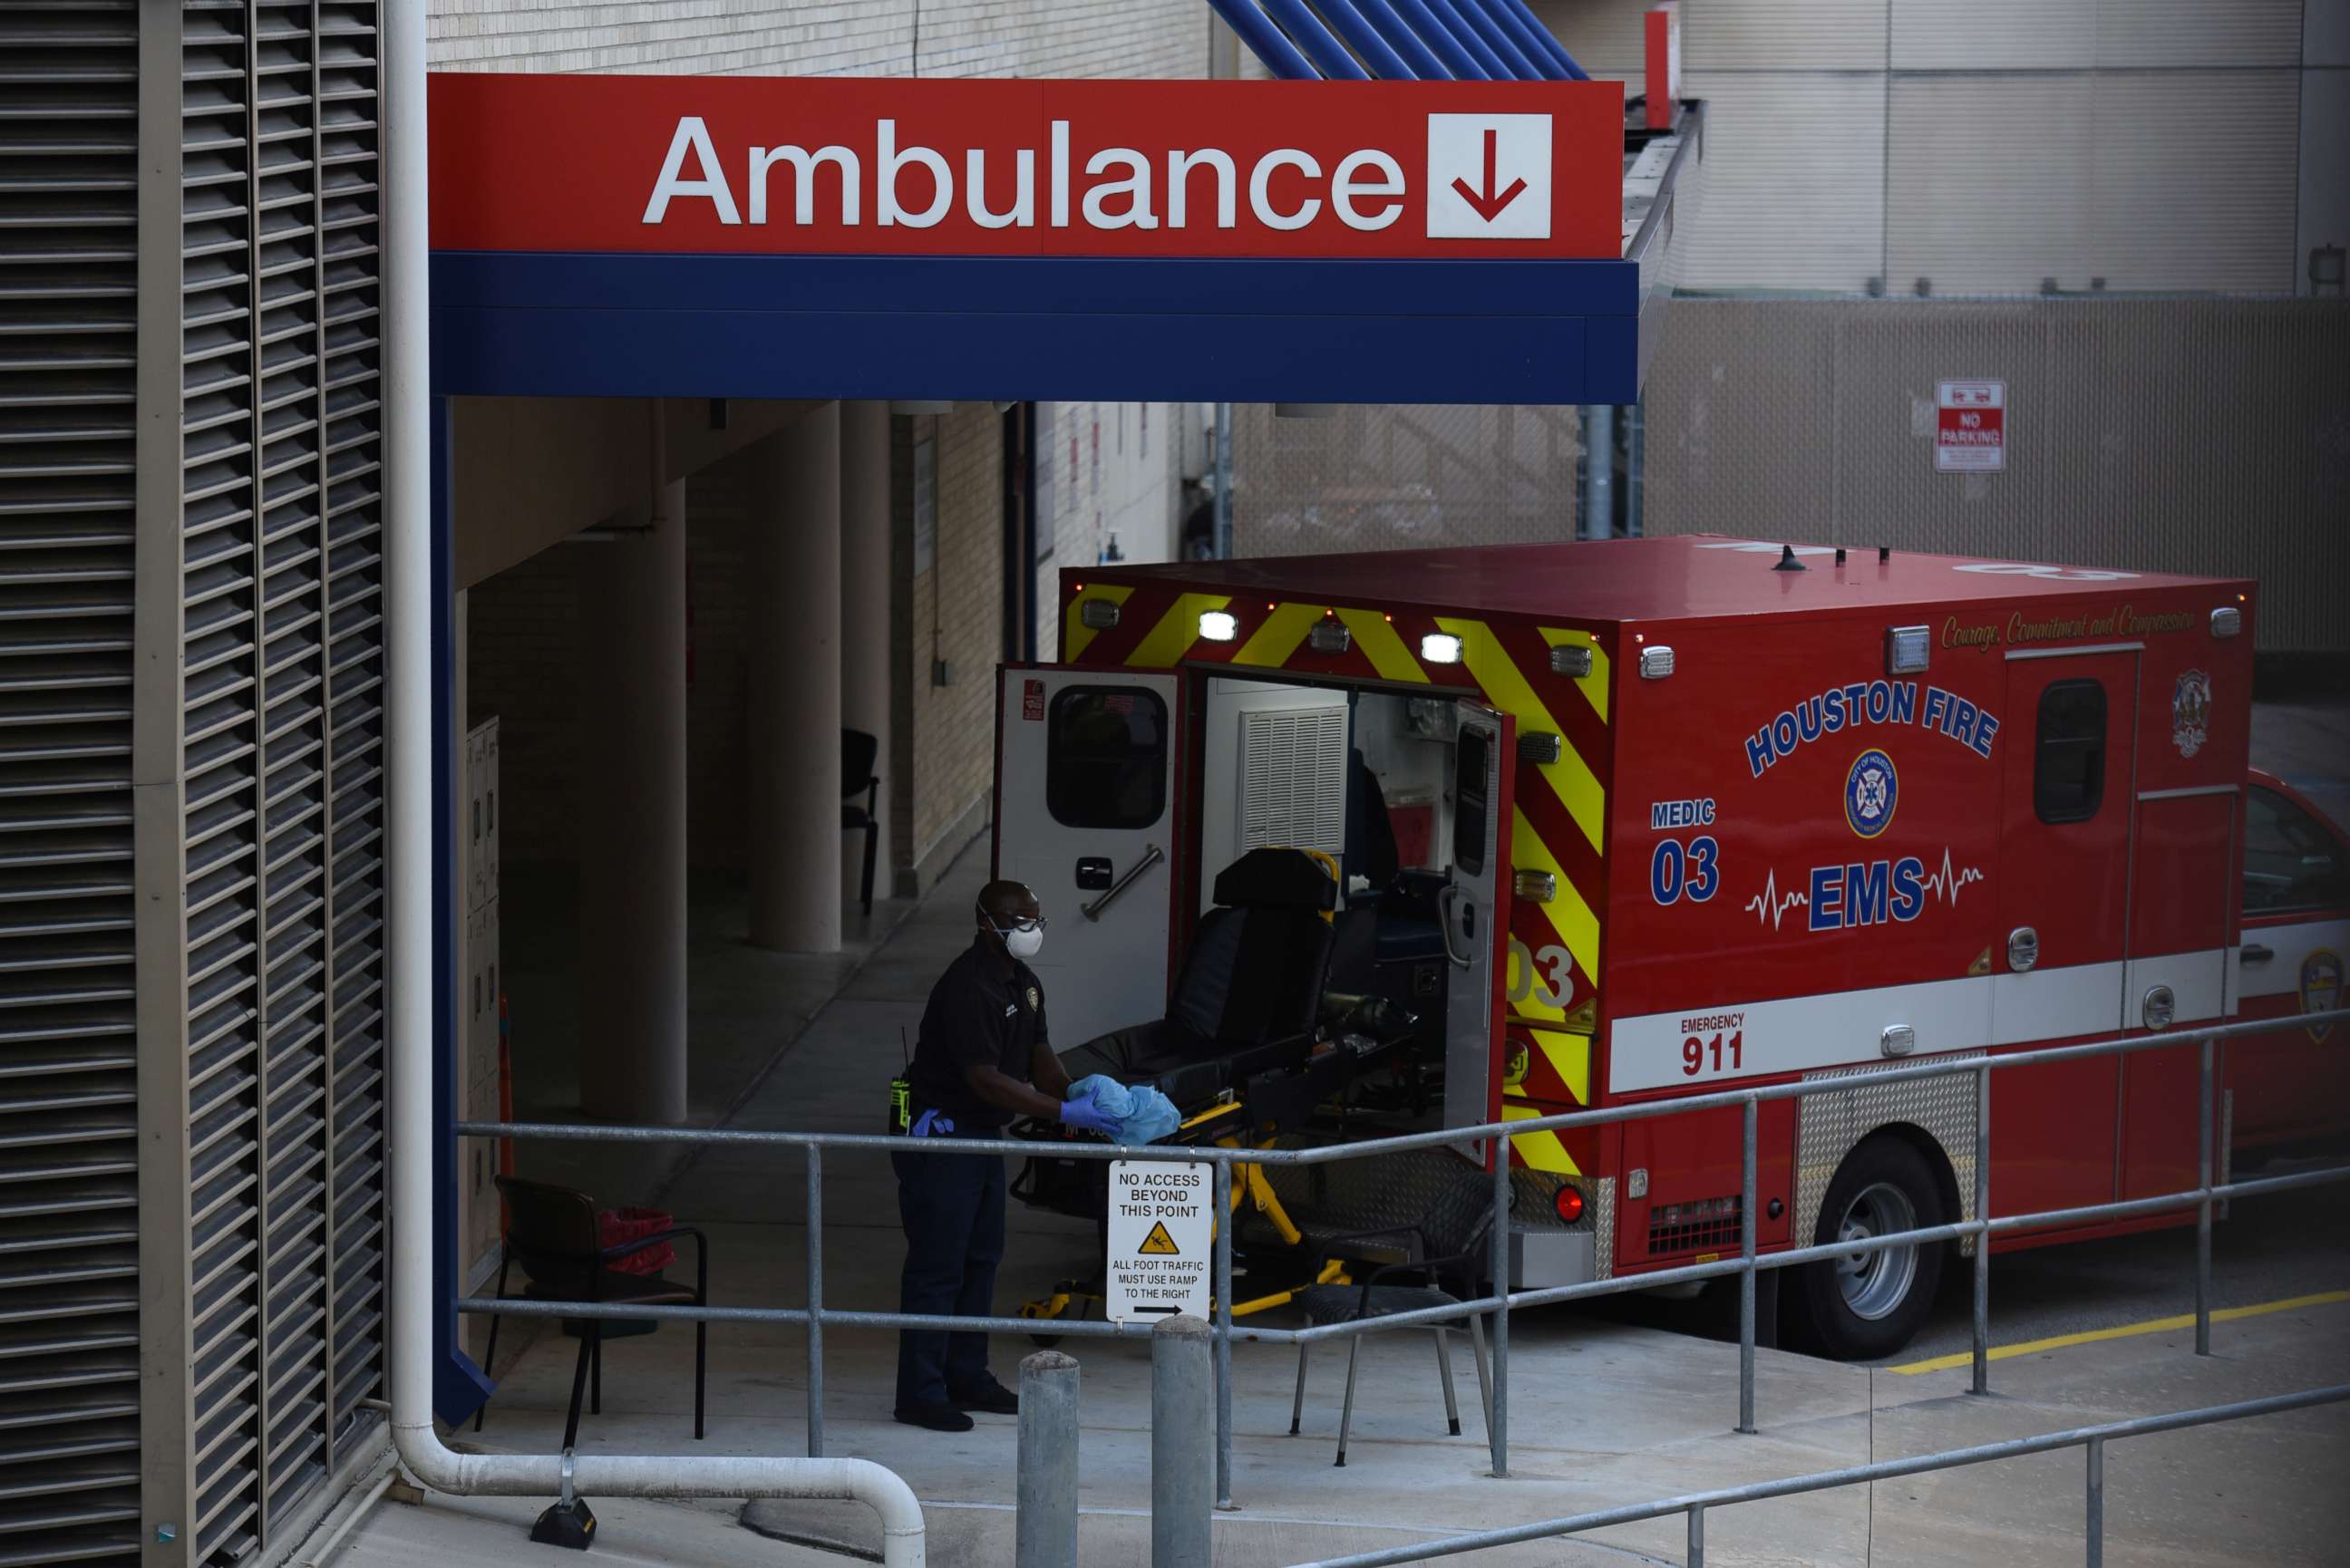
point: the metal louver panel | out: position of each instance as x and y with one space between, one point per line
69 1192
350 388
1294 778
271 608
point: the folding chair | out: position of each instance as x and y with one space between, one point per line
553 1234
1449 1238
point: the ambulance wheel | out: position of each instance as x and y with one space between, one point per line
1867 1304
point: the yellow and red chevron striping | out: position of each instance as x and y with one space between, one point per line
1566 699
1560 823
1553 1072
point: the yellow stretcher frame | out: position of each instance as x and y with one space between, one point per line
1249 1184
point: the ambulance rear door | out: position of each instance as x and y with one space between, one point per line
2066 811
1474 911
1087 773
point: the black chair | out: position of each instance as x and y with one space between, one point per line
1447 1242
858 750
1250 994
552 1232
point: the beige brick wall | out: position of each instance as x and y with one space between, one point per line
847 37
522 658
523 662
718 606
953 611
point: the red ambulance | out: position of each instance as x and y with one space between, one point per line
1632 820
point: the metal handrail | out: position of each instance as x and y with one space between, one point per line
1748 1265
1695 1504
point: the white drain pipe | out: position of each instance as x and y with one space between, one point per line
409 724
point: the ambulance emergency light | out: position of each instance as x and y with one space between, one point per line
1441 648
1906 649
1219 626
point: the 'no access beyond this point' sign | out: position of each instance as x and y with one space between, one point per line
1160 1239
1970 427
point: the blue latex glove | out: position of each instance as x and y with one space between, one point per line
1086 1116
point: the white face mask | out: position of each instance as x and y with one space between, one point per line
1020 942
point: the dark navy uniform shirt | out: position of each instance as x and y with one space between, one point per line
986 1010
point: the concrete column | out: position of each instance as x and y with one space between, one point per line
865 615
631 718
794 697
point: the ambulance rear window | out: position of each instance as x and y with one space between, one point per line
2068 777
1472 764
1106 757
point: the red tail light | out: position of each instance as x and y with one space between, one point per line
1569 1203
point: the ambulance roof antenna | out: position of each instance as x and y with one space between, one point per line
1787 562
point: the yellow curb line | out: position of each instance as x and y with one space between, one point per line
2155 1326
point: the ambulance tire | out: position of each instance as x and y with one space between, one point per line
1871 1305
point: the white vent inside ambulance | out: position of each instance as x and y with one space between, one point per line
1293 779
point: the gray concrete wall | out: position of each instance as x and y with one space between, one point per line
2172 435
1986 146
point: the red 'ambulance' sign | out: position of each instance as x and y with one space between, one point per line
869 166
1970 427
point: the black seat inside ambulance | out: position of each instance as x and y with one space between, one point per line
1250 991
1389 941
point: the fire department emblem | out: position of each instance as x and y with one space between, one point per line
1871 791
1514 1068
2321 988
1035 1000
2190 711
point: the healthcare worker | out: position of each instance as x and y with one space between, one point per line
983 1057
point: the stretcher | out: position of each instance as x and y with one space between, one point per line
1251 1049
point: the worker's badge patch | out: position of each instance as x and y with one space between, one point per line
1035 1000
2190 711
1871 792
2321 988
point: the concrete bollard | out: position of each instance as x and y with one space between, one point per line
1182 1443
1046 1532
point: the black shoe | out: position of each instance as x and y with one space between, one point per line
936 1415
990 1398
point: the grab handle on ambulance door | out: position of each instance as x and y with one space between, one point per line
1151 855
1446 898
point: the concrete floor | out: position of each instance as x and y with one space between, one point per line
1603 1414
746 1010
1605 1410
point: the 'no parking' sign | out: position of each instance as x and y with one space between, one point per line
1970 427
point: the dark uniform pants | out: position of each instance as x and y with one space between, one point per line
953 1210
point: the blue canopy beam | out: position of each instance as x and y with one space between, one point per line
1264 40
1306 29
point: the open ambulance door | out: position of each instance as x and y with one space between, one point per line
1475 915
1087 779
